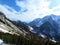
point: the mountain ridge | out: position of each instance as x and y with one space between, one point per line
14 34
51 23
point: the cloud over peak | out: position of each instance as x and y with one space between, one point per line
30 10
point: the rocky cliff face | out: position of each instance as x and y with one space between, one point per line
14 34
7 26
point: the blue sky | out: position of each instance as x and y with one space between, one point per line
28 10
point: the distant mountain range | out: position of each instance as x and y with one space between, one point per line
49 26
38 32
19 33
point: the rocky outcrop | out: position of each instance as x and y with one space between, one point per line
14 34
7 26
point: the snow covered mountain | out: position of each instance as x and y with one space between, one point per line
49 26
18 33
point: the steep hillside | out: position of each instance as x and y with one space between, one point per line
14 34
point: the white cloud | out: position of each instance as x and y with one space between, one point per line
35 9
11 15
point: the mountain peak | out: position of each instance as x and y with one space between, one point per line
49 25
1 13
2 17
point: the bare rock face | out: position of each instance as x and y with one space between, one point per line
11 33
7 26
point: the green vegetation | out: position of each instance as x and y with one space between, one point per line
30 39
